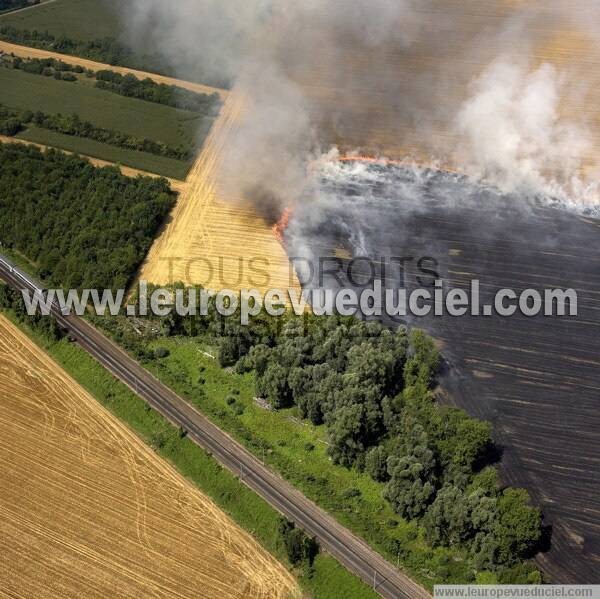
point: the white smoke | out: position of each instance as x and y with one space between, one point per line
513 131
509 126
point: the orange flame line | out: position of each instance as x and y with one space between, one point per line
282 224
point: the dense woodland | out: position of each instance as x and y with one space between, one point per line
81 225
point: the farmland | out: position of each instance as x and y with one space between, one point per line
129 115
26 91
215 240
89 20
534 378
360 94
157 165
175 184
83 494
80 19
327 579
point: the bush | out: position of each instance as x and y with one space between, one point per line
10 127
299 547
351 493
161 352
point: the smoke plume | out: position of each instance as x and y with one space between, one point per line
461 82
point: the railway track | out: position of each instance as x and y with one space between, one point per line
347 548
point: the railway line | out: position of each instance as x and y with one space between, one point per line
350 550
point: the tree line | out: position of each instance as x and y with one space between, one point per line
13 122
83 226
373 388
146 89
125 85
107 49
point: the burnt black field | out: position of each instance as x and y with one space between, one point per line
537 379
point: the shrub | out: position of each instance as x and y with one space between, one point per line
351 493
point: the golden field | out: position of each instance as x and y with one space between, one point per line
400 101
359 100
213 239
87 510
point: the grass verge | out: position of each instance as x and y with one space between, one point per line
298 451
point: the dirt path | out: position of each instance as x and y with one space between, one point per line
176 184
27 52
87 509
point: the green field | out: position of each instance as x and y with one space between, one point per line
167 167
88 20
25 91
327 580
79 19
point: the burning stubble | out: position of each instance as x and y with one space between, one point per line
483 87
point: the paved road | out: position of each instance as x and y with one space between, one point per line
351 551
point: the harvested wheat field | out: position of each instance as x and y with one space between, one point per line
87 510
401 100
215 240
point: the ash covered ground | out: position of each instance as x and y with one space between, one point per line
535 378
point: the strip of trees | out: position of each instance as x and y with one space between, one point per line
107 50
125 85
13 122
147 89
372 388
